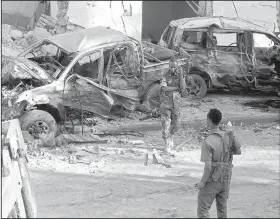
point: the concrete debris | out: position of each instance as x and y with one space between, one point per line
6 28
257 129
51 25
277 127
36 143
97 151
133 142
85 129
48 139
12 42
73 160
60 141
27 137
79 138
178 147
22 43
16 34
36 35
157 159
9 51
46 22
97 163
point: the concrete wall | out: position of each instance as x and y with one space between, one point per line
21 13
158 14
101 13
260 12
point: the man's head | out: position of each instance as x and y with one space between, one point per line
215 40
185 36
214 118
173 64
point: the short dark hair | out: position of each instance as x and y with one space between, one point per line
173 59
215 116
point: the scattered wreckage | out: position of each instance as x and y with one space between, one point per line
95 70
226 53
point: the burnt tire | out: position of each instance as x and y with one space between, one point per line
40 119
151 99
202 86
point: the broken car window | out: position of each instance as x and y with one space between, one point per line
123 61
225 39
49 57
225 42
190 40
88 65
261 40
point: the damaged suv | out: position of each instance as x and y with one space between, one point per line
226 53
95 70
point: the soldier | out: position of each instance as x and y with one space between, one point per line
216 153
173 88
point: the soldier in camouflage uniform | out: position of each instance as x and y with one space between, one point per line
173 88
217 153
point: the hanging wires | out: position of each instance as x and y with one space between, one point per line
235 9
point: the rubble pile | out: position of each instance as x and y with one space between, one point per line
15 41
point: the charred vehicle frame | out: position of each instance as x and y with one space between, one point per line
95 70
228 53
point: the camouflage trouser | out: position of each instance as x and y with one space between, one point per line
206 195
170 125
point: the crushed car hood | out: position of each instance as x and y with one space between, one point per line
22 68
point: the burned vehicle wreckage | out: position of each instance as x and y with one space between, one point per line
95 70
228 53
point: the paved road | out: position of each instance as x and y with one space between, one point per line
254 193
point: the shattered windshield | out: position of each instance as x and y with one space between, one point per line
49 57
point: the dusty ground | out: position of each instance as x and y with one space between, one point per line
117 184
230 103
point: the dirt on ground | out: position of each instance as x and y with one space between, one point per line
116 183
230 104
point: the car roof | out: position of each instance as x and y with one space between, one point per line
218 22
84 39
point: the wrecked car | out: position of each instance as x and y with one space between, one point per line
226 53
95 70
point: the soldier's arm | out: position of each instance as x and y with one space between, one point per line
236 146
164 86
206 158
183 86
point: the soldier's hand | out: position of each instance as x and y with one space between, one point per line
199 185
184 94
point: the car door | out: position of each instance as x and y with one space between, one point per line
266 66
231 59
83 89
123 74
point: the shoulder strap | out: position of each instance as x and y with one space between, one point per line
227 142
222 141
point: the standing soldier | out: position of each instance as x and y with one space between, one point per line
173 88
216 153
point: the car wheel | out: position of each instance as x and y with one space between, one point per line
37 122
200 89
152 97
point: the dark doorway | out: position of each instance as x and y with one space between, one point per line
156 15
